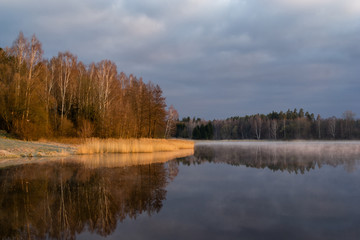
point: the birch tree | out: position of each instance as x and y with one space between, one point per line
66 64
33 61
106 76
19 50
318 123
332 127
273 128
172 117
349 122
256 124
49 86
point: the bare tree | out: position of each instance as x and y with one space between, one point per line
172 117
20 50
349 115
49 85
318 121
273 128
268 127
65 63
256 124
284 126
349 122
34 58
332 126
106 75
27 58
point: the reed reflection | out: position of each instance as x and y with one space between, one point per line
294 157
62 198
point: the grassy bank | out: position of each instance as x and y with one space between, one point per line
12 148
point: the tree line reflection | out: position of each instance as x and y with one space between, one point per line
60 199
291 157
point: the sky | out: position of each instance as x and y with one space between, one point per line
213 59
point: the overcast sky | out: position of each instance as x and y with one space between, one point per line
213 59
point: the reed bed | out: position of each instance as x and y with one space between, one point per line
143 145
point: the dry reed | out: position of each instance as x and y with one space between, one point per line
143 145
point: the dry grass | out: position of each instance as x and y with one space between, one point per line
6 154
12 148
95 145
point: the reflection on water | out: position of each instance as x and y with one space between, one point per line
61 198
105 160
294 157
124 160
248 190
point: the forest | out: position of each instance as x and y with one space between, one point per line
292 124
64 97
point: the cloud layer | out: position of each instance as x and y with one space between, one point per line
213 59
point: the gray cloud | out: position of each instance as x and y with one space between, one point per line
213 59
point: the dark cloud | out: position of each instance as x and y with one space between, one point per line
213 59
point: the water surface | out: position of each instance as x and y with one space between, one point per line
221 191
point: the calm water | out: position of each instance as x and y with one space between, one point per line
221 191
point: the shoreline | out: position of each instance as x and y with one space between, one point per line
11 148
14 148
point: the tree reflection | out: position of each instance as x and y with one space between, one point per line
291 157
59 200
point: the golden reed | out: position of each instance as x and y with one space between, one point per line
143 145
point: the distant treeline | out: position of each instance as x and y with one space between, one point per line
64 97
276 125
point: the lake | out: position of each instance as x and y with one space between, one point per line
220 190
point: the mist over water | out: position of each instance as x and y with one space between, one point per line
290 156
